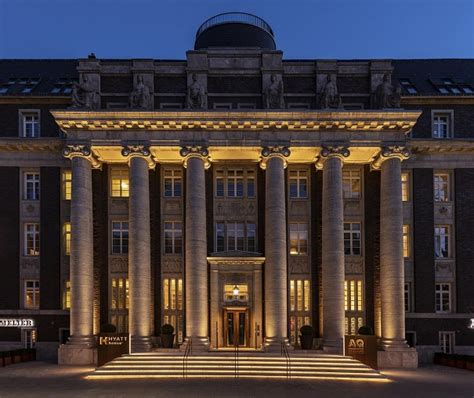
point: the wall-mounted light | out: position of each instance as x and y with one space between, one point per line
236 291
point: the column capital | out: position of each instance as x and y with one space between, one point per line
138 150
273 151
195 151
390 152
83 151
339 151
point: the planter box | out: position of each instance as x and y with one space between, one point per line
454 360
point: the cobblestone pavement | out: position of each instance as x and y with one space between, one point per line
39 379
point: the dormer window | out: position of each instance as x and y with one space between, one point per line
408 86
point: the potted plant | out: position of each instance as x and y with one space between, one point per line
365 331
167 336
108 328
306 337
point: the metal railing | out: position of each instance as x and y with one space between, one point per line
187 352
286 354
238 17
236 357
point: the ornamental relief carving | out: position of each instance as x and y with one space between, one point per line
30 210
299 208
30 266
352 208
172 207
443 211
239 208
444 269
119 206
234 278
299 264
354 265
172 264
118 264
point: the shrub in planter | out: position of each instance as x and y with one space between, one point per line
306 337
108 328
365 331
167 336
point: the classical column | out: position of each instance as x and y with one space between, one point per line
196 274
79 350
276 281
139 254
331 161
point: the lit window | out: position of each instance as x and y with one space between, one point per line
119 237
442 241
298 184
441 125
354 305
235 183
173 183
120 184
298 239
173 237
406 241
32 239
30 126
351 184
443 297
352 239
407 296
235 236
300 299
238 292
67 184
67 238
446 342
405 186
67 295
441 187
31 186
32 294
173 305
120 293
29 337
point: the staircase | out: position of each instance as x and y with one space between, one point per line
246 366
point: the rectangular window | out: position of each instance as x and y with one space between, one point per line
32 294
119 237
172 183
67 238
220 237
67 295
119 183
300 299
173 305
407 297
351 184
30 124
405 186
354 305
441 187
235 236
251 237
250 183
442 241
31 186
173 237
32 239
446 342
298 239
352 239
298 184
441 125
120 293
406 241
67 184
235 183
220 183
443 297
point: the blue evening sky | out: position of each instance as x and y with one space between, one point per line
165 29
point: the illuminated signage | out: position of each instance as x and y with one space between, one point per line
355 346
16 323
471 326
112 340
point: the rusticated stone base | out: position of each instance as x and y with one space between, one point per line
397 359
69 354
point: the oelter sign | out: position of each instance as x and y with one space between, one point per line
471 325
16 323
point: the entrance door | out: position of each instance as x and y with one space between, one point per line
236 327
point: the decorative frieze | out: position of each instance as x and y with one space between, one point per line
80 150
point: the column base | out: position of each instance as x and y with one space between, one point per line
273 344
199 344
397 358
333 346
77 354
141 344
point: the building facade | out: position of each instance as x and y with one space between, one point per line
238 196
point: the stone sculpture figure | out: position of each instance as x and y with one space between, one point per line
140 96
330 97
196 94
273 94
386 95
85 94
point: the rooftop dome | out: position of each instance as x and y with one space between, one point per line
235 29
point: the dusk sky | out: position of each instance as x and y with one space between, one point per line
165 29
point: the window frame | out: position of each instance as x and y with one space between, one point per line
67 238
36 239
351 231
174 180
222 227
437 113
35 290
66 180
442 334
299 238
350 173
406 239
406 186
22 114
123 248
297 180
436 190
176 235
441 295
36 185
221 181
447 238
120 174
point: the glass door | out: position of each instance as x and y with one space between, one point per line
236 327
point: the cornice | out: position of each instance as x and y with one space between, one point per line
34 99
31 145
441 146
398 120
437 100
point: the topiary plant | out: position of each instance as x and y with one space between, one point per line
365 330
306 330
108 328
167 329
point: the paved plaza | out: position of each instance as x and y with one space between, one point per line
39 379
